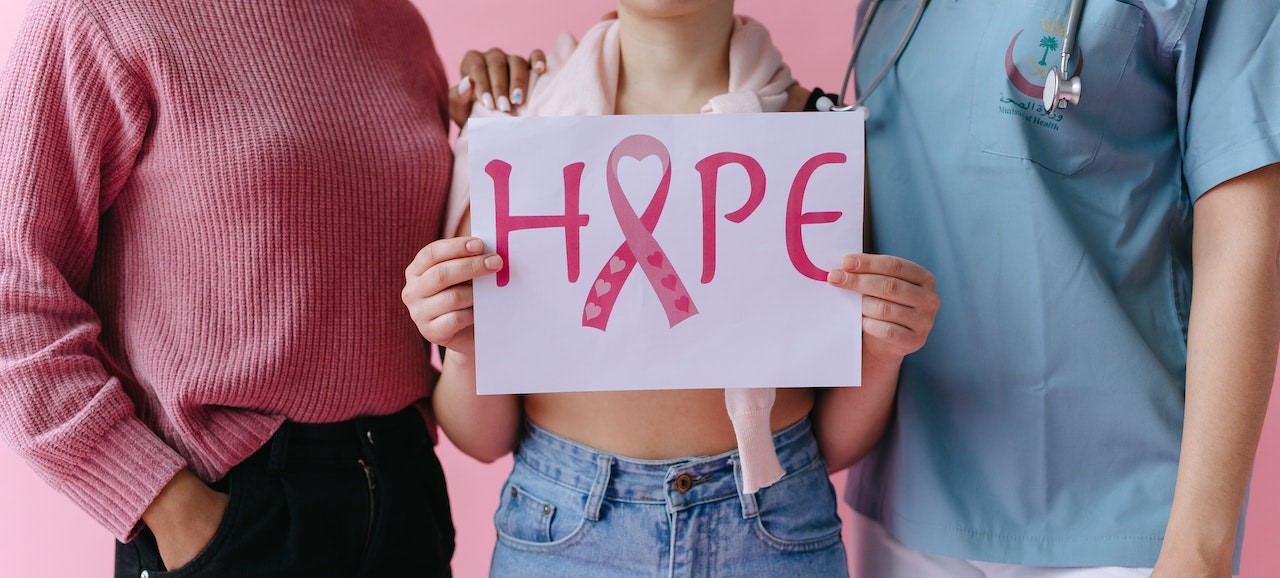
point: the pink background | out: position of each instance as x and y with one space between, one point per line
43 534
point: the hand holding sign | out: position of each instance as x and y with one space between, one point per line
899 302
438 291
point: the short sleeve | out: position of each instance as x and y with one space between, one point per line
1233 124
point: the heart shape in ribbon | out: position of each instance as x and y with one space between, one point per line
637 233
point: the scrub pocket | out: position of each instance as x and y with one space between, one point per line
1022 42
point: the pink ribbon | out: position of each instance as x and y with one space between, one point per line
637 233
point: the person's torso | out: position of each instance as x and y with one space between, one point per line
296 160
1041 422
636 424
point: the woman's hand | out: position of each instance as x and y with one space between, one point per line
184 518
498 80
899 303
437 290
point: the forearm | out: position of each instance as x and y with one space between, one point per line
85 442
1231 361
899 305
1231 358
848 421
485 427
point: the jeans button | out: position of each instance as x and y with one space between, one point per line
683 483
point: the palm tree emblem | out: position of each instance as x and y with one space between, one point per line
1049 43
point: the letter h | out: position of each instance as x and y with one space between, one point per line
572 221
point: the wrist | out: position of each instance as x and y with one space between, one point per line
458 360
184 519
1197 556
880 366
174 500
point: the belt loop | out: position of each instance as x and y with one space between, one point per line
279 449
604 463
749 507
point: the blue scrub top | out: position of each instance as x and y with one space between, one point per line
1041 423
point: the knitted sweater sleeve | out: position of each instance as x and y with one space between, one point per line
72 121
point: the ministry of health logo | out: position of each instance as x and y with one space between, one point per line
1027 74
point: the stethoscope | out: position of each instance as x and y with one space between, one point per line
1058 88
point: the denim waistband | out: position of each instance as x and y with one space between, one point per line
679 483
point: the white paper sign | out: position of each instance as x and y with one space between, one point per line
667 252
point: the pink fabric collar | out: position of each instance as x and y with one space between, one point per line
758 79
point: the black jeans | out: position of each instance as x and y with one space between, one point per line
364 497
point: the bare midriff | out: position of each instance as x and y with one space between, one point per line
654 425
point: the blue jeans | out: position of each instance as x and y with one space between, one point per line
569 511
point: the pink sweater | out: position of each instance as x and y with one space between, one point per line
205 213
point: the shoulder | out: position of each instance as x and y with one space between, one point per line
578 72
84 31
565 45
545 84
797 98
108 15
120 25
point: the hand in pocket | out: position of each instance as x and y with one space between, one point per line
184 518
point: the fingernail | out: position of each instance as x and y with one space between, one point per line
475 245
487 100
493 262
837 277
504 105
851 263
464 86
517 96
539 67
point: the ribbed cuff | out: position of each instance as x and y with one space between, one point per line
122 475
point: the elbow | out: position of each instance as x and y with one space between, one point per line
836 466
489 455
485 451
843 448
845 460
841 460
